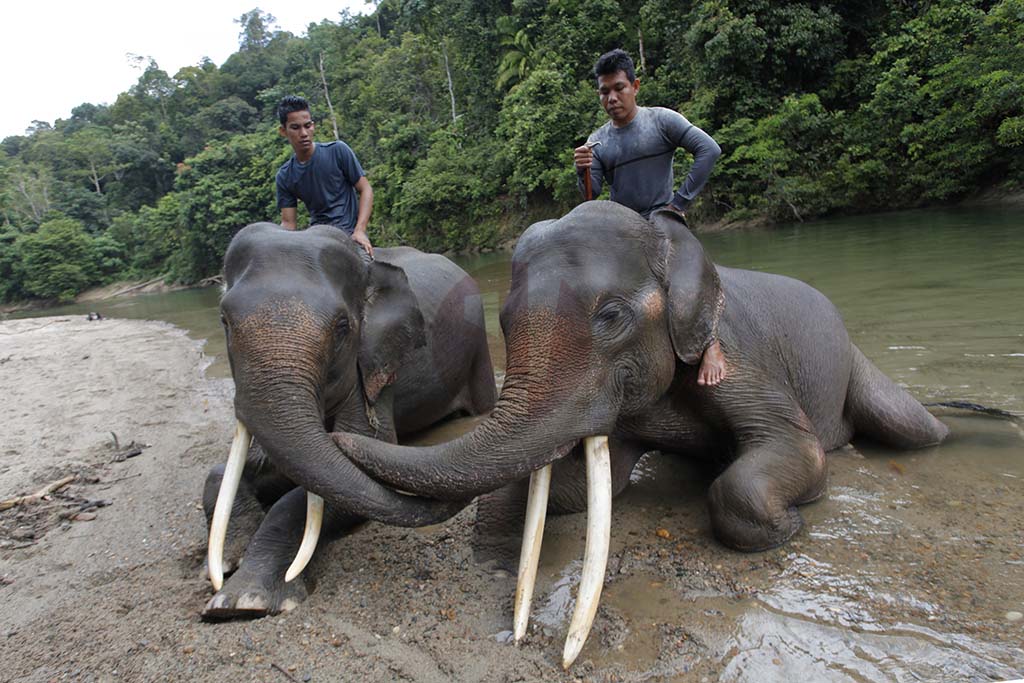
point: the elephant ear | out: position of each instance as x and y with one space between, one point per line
392 327
695 297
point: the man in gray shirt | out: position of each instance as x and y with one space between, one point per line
326 177
633 151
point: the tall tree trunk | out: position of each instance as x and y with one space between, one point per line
327 95
643 57
95 178
38 210
448 72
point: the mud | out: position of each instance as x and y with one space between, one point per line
912 568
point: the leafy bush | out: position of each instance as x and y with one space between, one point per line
221 190
61 259
448 201
10 261
782 165
542 120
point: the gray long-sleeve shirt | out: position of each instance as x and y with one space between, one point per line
636 160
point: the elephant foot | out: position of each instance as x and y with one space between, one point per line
750 513
248 597
750 536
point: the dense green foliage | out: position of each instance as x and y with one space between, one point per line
465 112
60 259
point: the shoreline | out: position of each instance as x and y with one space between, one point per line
102 579
990 198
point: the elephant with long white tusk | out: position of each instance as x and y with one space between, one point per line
605 323
318 339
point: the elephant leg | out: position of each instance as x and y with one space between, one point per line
246 516
753 502
883 411
260 487
499 526
497 535
258 587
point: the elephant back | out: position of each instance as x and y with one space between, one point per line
794 335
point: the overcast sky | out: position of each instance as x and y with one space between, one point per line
56 55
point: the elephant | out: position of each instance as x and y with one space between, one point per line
318 339
605 323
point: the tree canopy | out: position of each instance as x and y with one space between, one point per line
464 114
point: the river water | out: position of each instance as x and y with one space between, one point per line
912 567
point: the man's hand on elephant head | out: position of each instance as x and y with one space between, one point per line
362 239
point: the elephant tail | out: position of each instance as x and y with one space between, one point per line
978 408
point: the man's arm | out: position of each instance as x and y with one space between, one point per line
365 210
705 152
286 201
288 218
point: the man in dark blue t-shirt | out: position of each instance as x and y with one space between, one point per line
327 177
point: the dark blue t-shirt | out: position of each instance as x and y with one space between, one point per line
325 184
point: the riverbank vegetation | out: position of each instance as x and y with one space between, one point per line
465 112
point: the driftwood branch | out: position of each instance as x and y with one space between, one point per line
38 495
128 452
138 286
276 666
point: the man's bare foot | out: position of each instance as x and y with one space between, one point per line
712 365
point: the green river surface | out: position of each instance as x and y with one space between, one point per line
911 568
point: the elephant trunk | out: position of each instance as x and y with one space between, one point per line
550 400
287 419
297 443
485 459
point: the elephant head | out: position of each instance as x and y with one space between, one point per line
602 306
314 336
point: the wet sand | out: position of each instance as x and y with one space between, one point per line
912 568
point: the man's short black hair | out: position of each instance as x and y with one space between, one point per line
289 104
616 60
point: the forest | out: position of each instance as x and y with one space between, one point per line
464 114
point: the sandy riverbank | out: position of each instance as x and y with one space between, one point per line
893 579
102 580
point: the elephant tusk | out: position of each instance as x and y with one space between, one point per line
595 557
225 500
533 534
314 519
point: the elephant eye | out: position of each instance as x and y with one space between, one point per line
341 327
613 314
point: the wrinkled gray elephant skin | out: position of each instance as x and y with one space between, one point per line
604 326
321 340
